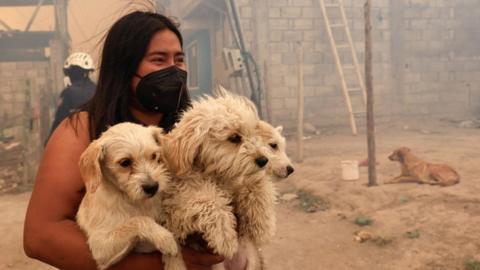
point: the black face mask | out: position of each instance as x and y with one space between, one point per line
162 90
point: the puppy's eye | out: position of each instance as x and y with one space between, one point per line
126 162
235 139
273 145
154 156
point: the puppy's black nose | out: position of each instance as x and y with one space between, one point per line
261 161
150 189
290 170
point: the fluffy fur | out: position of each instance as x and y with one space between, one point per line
254 196
213 146
279 164
213 130
123 173
220 154
417 170
194 205
257 197
253 255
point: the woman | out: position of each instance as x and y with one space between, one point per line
142 79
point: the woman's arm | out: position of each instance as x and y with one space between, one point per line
50 232
239 260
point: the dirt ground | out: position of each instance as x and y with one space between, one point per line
445 221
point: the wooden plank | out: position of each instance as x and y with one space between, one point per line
261 50
268 96
398 53
22 56
25 40
300 103
18 3
372 170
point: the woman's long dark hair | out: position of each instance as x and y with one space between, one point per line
125 46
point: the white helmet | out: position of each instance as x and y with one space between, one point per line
80 59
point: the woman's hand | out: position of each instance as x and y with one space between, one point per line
238 262
196 260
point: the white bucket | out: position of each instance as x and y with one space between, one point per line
350 170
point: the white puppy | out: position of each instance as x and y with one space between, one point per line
124 174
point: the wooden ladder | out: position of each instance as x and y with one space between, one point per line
352 88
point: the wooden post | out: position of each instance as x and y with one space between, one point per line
372 172
300 105
61 15
45 121
60 45
260 47
255 91
397 49
27 136
238 85
268 97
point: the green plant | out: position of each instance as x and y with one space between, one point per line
404 199
472 264
413 234
381 240
310 203
363 221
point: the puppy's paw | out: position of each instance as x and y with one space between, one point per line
225 243
102 265
166 244
174 262
260 230
262 237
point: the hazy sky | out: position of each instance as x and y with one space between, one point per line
88 20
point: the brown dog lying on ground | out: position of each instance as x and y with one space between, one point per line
419 171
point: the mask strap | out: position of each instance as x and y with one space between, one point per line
180 96
138 76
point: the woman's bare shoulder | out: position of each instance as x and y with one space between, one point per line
71 133
58 172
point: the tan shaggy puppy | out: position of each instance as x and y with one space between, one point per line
255 196
419 171
210 150
279 164
123 174
220 152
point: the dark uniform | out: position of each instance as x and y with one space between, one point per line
72 97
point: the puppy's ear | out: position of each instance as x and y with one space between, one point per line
249 105
183 146
157 134
220 91
279 129
90 165
403 150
